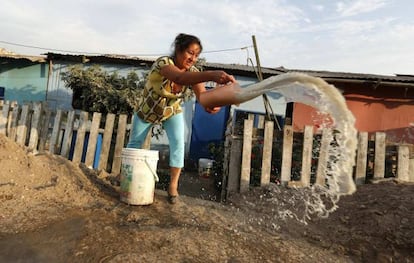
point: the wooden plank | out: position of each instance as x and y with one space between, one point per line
22 126
323 157
44 134
307 156
93 138
261 121
379 163
53 144
12 120
106 141
287 154
119 145
233 181
362 158
267 153
80 137
411 170
403 163
67 137
35 126
246 156
4 118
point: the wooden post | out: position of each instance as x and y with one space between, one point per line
287 155
379 164
362 158
403 163
106 141
267 153
246 156
93 138
80 137
22 126
53 144
35 126
67 137
307 156
44 133
323 157
233 183
261 121
3 118
120 142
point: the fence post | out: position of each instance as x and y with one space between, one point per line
22 126
323 157
361 162
120 141
3 118
287 155
267 153
93 138
307 156
246 155
67 137
55 132
106 141
80 137
379 164
403 163
35 126
233 181
44 130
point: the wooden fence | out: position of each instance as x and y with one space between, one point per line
253 156
375 157
96 140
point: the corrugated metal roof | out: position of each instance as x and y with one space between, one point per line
235 69
7 54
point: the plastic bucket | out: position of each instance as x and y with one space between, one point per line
138 176
204 167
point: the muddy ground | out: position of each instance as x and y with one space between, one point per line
52 210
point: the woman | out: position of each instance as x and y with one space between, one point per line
167 81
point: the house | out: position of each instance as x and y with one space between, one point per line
378 102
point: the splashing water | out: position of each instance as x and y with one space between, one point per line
315 92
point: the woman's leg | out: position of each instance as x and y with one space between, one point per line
139 132
174 127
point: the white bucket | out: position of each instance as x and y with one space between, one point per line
138 176
205 167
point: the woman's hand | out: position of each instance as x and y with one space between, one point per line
212 110
222 77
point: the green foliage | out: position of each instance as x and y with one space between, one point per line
95 90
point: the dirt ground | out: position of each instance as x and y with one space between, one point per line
52 210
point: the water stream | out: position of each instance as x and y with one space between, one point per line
317 93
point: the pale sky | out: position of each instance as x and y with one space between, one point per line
360 36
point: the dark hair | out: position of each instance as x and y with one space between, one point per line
183 41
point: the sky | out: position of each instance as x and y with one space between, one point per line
357 36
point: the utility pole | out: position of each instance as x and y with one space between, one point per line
268 108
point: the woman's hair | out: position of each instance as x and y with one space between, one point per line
183 41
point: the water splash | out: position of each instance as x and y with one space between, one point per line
315 92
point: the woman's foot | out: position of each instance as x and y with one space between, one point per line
172 194
172 199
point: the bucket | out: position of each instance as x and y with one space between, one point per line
138 176
205 167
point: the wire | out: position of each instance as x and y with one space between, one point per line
96 53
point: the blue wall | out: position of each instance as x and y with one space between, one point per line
23 80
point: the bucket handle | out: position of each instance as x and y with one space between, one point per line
152 171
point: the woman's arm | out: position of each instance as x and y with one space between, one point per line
180 77
200 88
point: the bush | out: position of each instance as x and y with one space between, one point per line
95 90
